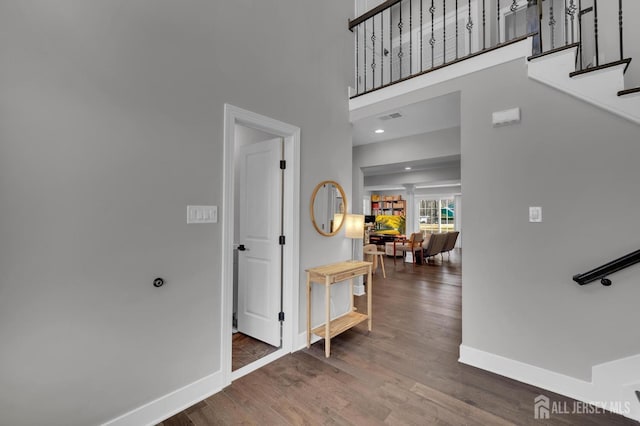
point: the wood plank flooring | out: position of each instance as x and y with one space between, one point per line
405 372
245 350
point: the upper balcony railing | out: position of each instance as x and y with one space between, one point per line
401 39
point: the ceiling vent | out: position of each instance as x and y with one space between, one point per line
390 116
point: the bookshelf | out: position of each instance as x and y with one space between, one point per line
392 205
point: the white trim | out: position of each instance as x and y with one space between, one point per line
172 403
605 386
291 134
258 364
302 340
522 372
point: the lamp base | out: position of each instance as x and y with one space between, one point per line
358 287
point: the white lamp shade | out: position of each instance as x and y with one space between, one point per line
337 221
354 226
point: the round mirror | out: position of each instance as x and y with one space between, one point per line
328 206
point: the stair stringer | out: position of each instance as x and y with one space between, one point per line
599 88
615 385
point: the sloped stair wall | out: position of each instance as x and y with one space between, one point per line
599 87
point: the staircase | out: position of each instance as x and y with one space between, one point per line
602 86
402 39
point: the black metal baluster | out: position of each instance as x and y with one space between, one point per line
457 29
484 26
470 27
382 48
539 11
572 16
580 33
373 54
390 46
498 7
513 8
444 31
595 30
432 40
364 60
552 25
400 28
620 28
410 37
566 23
357 60
421 53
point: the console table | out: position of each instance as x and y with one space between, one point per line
329 275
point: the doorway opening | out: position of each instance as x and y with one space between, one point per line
260 241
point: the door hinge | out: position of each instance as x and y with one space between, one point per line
281 316
281 240
283 164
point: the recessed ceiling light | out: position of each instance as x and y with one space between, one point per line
379 131
407 168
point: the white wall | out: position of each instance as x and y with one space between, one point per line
578 163
112 122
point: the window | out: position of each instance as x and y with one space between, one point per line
437 215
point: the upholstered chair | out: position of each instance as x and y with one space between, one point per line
413 245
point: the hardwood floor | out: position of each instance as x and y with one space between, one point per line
246 349
405 372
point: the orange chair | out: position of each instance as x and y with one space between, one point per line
413 245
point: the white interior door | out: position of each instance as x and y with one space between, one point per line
259 275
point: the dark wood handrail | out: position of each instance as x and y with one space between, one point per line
601 272
360 19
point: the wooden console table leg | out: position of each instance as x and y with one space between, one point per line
327 335
308 310
351 293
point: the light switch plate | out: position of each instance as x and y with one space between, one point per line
535 214
202 214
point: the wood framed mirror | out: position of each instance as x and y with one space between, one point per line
328 207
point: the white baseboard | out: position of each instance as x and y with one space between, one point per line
172 403
302 341
526 373
589 392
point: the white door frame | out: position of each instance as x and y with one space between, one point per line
290 292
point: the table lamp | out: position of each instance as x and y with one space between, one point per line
354 229
337 221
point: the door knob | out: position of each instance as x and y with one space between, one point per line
241 247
